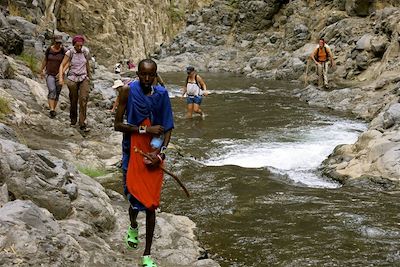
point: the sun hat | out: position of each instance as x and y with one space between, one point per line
58 39
117 83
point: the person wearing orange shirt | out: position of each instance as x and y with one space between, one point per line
320 56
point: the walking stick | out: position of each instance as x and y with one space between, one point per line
137 150
306 78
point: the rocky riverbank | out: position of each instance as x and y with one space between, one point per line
274 39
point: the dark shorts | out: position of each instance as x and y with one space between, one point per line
194 100
135 204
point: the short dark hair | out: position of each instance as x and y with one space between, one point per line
148 61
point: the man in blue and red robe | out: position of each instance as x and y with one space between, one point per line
149 125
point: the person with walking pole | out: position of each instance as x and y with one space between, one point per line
147 131
320 56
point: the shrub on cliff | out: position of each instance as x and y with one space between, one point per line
4 107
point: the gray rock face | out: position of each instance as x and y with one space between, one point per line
30 232
257 15
33 9
391 117
10 41
7 132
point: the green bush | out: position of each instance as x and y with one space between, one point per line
4 107
92 171
176 14
31 61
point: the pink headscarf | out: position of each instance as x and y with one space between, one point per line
78 38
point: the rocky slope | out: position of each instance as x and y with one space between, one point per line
50 212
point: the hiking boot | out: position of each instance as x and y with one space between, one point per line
52 113
147 261
73 123
84 128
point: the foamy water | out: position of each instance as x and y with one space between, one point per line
298 159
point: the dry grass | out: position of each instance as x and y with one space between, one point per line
4 107
31 61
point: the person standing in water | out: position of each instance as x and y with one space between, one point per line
194 89
149 125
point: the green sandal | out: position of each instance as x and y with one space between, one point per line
148 262
131 238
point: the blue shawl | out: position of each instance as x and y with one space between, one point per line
157 107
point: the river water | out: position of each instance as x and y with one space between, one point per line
258 198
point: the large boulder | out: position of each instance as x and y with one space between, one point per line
358 7
364 43
391 117
257 15
379 45
10 41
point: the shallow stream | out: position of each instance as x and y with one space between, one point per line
257 196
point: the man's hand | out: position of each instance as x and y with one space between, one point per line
152 160
155 129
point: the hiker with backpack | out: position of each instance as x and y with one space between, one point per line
194 89
78 78
320 56
50 67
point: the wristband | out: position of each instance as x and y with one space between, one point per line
142 129
160 158
163 149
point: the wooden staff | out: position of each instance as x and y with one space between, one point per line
137 150
306 78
